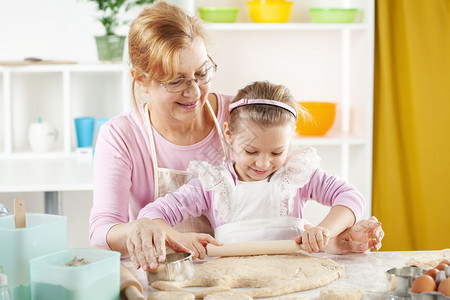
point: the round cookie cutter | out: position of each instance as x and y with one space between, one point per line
178 266
400 280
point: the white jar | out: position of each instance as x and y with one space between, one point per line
42 136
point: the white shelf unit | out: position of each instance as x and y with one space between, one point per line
57 94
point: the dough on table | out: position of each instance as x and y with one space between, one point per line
227 296
429 260
171 296
266 275
341 293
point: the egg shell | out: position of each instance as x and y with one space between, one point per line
432 272
444 287
441 267
445 261
447 271
424 283
440 276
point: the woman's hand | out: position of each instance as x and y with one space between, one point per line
147 240
362 236
314 238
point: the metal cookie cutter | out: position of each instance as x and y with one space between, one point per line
177 267
400 280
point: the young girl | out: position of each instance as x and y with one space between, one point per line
261 193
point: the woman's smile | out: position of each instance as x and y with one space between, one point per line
189 105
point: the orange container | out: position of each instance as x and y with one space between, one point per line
323 114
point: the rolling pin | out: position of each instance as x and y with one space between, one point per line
253 248
129 285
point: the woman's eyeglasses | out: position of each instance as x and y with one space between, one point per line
181 84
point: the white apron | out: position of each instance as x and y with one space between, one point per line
169 180
255 215
258 210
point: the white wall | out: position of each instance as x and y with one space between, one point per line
51 29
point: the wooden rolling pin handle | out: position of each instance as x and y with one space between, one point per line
129 284
253 248
133 293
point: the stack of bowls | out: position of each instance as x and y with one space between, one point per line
218 14
333 15
271 11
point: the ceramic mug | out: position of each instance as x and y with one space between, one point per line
42 136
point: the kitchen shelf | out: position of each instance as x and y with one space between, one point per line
63 93
244 26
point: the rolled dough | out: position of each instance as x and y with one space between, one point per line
171 296
429 260
341 293
227 296
267 275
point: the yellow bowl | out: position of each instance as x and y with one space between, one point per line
323 114
270 11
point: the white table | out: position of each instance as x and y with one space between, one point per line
49 175
365 271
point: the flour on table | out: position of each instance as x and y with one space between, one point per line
266 275
429 260
171 296
341 293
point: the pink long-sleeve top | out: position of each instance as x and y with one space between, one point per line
123 167
193 200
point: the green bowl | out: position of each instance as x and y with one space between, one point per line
218 14
333 15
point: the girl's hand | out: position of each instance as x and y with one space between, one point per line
314 238
364 235
196 243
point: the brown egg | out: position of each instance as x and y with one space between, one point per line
445 261
441 266
432 272
424 283
444 287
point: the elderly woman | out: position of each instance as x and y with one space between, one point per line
143 154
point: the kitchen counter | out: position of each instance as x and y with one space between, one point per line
365 271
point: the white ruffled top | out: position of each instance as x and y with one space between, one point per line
286 181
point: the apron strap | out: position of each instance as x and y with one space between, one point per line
153 150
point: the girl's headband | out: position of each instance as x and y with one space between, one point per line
262 101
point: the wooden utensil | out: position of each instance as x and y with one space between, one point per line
129 285
20 213
254 248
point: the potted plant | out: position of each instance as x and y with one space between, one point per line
110 46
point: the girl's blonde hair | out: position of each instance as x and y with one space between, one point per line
156 38
262 114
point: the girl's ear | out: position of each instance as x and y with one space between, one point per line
227 133
139 79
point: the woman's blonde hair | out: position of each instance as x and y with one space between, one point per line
156 38
262 114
